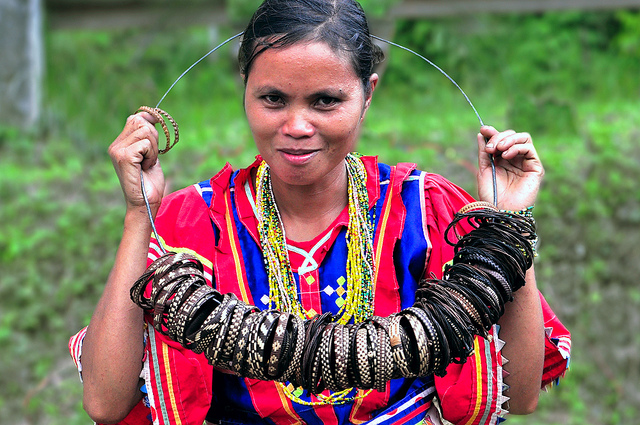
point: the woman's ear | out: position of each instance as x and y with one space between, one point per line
373 81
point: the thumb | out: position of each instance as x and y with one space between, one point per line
484 157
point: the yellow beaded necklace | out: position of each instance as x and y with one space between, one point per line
283 293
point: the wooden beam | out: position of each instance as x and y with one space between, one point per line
107 14
134 15
425 8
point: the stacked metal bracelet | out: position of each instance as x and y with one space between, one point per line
317 354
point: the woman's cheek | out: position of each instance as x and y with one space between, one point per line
259 125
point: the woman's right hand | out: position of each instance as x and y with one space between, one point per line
134 149
113 345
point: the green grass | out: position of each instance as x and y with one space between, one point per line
568 78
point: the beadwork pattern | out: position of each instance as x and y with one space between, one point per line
283 293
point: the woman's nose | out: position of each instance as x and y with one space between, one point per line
298 125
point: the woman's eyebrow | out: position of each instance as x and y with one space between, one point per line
330 92
268 89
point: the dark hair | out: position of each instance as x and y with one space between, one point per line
341 24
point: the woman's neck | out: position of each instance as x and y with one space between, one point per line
307 211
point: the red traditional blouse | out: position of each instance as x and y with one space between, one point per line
216 221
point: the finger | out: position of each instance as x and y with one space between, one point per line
136 121
517 138
151 135
137 130
488 138
488 131
145 115
509 140
525 150
497 138
143 152
150 156
131 155
145 144
484 157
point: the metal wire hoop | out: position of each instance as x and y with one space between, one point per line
144 194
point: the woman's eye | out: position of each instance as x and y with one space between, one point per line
272 99
327 102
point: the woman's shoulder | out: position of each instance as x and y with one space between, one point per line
411 174
206 190
182 204
441 192
438 182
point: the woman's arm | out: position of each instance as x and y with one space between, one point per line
522 328
519 173
113 347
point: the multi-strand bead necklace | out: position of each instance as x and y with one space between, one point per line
283 292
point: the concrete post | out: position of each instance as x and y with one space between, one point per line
21 62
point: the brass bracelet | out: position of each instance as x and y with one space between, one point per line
162 116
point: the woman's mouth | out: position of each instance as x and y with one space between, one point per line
298 157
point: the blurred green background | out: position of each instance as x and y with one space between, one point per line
570 78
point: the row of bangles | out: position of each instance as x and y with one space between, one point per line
489 265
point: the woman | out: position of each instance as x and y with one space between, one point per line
309 82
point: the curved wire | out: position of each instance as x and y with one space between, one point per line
197 62
146 203
144 192
493 166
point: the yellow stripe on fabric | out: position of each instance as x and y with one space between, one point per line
234 249
172 398
287 407
176 249
383 226
356 407
476 353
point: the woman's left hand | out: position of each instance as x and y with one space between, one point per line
519 171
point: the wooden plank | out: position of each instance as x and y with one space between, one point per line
134 15
104 14
425 8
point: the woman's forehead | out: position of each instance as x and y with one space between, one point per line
302 60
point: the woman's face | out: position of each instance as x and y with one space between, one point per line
305 105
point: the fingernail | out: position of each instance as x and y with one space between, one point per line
490 145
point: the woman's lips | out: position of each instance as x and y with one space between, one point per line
298 157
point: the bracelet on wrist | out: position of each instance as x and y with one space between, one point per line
527 213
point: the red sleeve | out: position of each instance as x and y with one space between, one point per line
443 200
557 349
139 415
